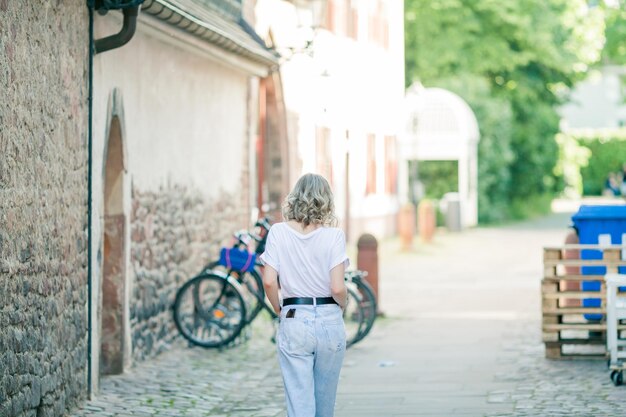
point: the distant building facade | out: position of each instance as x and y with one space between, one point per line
598 102
343 80
176 118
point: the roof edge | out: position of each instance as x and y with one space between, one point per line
183 20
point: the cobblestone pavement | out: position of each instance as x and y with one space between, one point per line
461 337
242 381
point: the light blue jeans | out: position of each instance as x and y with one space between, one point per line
311 347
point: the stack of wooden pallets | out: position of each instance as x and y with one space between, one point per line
570 330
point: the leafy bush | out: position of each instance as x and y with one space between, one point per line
607 155
587 158
536 205
438 177
572 157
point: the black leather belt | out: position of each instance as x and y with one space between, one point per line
308 301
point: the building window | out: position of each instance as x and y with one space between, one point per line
330 15
338 12
353 20
370 185
378 27
324 164
391 165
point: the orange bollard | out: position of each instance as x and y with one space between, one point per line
426 220
367 260
406 225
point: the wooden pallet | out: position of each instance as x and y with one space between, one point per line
567 334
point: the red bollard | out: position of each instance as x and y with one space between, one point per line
367 260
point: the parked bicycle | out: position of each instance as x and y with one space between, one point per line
213 308
363 295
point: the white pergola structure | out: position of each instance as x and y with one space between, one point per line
440 126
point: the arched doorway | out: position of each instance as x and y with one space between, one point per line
113 287
441 127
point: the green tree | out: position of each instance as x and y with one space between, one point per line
528 52
614 51
607 154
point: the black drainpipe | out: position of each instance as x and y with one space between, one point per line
89 192
124 35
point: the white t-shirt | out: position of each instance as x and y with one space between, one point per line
304 261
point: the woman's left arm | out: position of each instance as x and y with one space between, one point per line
270 283
338 285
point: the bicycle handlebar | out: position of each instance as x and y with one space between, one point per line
355 274
264 223
243 236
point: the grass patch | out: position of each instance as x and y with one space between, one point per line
531 207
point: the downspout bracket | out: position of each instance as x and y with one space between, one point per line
103 6
130 8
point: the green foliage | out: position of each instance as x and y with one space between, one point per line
607 155
615 48
520 57
446 37
572 156
534 206
495 38
587 159
536 151
438 177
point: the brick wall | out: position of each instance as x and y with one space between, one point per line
174 232
43 206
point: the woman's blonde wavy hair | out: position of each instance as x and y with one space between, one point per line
310 202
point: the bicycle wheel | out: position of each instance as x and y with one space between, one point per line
352 315
209 310
251 282
368 305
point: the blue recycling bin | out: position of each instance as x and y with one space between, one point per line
592 222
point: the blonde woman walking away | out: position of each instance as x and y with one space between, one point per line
310 257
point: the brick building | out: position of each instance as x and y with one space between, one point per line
156 174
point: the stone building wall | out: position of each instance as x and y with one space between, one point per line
174 233
43 206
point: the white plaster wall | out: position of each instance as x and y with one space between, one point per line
185 115
186 121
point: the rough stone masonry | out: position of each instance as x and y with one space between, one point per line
175 231
43 206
